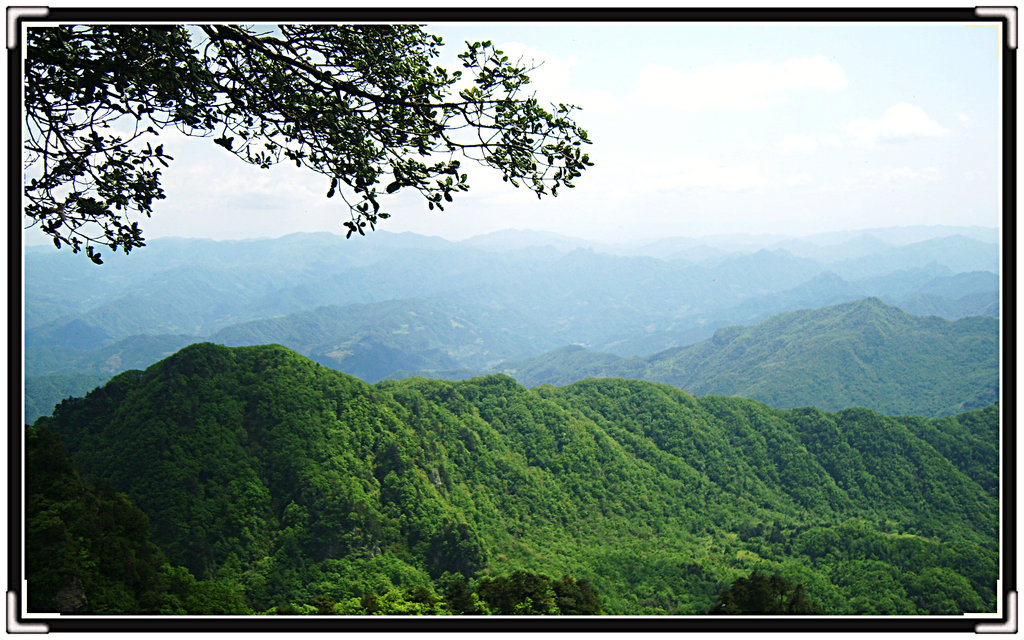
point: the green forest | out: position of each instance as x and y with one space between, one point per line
863 353
253 480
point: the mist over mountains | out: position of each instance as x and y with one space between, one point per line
391 305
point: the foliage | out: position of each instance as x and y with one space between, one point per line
772 595
364 106
88 548
524 593
521 593
308 488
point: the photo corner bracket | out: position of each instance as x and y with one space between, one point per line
16 626
1007 13
1010 626
14 15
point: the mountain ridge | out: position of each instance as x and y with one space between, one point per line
851 354
257 466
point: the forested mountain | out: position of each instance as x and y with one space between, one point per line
88 548
259 468
862 353
854 354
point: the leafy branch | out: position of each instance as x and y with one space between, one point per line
362 105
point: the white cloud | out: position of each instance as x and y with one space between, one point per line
965 120
793 143
743 85
799 179
630 176
597 101
689 172
901 122
907 174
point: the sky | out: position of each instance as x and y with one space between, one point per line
697 129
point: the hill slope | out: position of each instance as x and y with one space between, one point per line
261 468
862 353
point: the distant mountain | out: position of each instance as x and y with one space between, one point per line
374 340
169 286
130 353
185 286
921 291
862 353
293 483
855 247
43 393
906 234
957 253
961 284
972 304
569 364
822 350
518 303
763 270
822 290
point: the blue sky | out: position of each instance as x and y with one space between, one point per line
698 129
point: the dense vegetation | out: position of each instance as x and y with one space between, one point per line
771 595
88 550
304 489
862 353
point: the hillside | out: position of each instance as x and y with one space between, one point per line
862 353
259 468
832 358
855 354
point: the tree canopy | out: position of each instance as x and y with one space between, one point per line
298 485
362 105
759 594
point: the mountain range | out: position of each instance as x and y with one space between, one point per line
862 353
396 304
286 483
198 287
